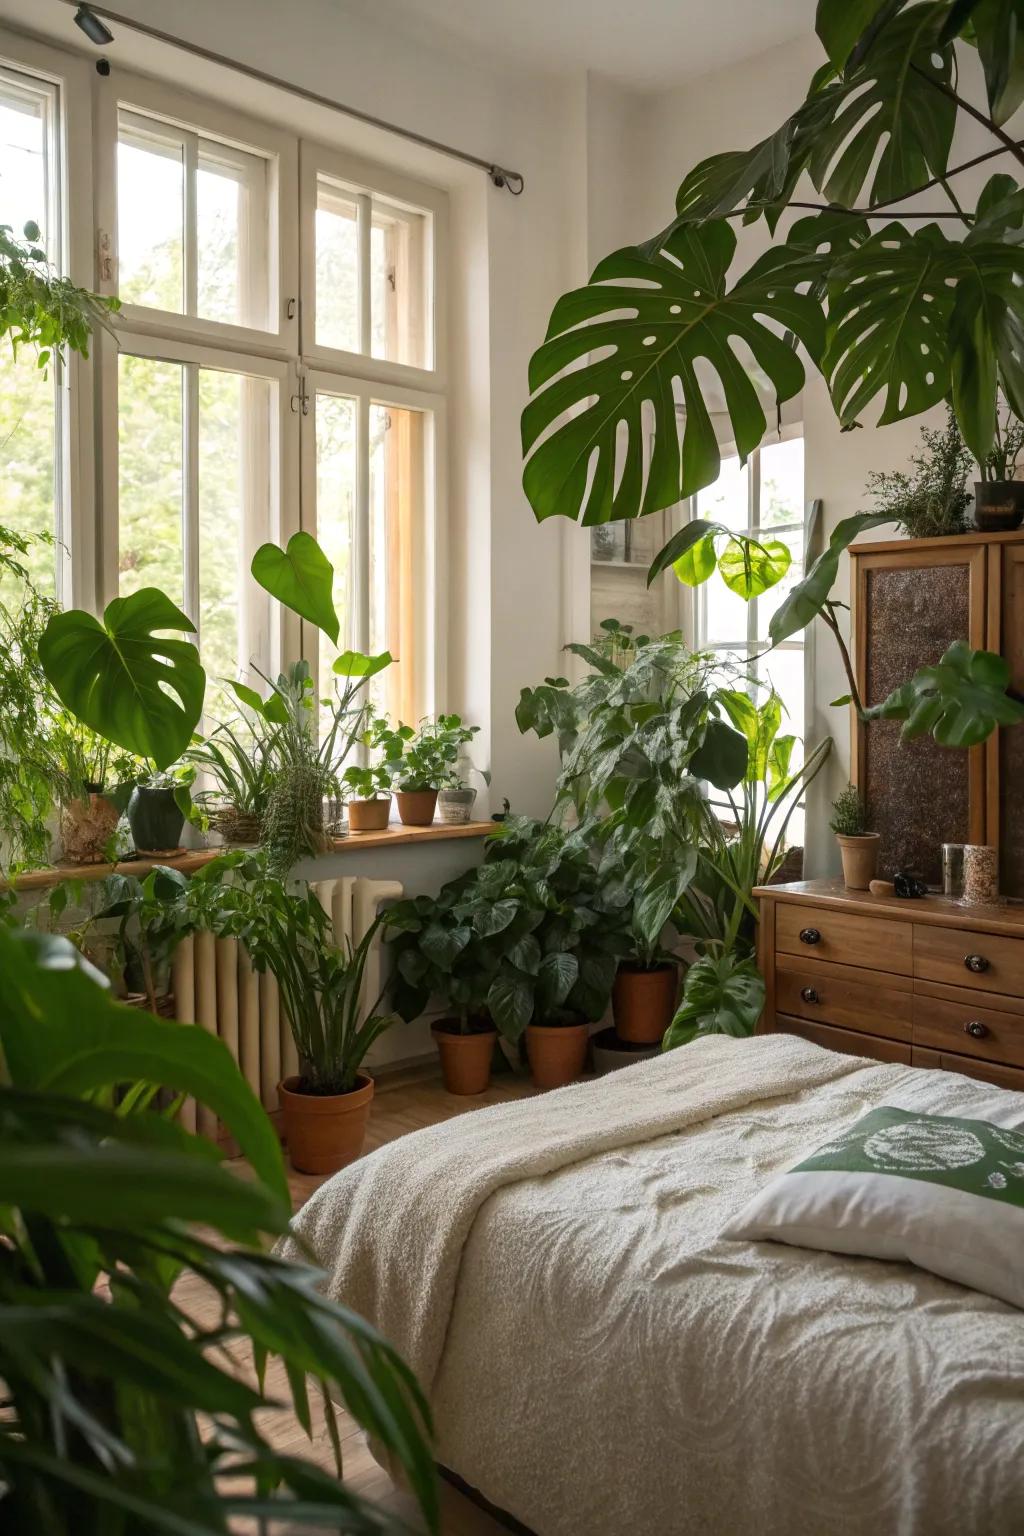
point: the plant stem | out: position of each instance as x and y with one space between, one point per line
1004 138
830 619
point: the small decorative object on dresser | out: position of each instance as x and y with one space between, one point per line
981 876
930 983
859 848
953 869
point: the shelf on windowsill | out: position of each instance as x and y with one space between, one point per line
192 859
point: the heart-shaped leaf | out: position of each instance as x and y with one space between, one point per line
355 664
637 331
960 701
510 1003
722 759
722 995
557 974
659 897
123 679
697 563
749 567
302 578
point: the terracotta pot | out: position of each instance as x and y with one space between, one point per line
643 1002
86 827
324 1131
416 807
557 1053
465 1059
610 1052
998 505
860 859
369 815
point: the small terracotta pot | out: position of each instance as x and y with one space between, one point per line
324 1131
465 1059
369 815
86 827
643 1002
557 1053
860 859
416 807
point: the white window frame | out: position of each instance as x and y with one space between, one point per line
74 466
363 178
194 117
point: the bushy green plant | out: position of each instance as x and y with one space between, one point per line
848 819
122 1413
372 780
429 754
932 498
1001 463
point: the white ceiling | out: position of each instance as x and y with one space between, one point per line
645 44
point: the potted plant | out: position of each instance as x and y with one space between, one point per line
436 954
858 847
998 496
242 760
932 500
158 807
90 779
455 801
367 786
426 765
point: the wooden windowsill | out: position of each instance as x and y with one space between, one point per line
394 836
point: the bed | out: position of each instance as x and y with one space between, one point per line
600 1362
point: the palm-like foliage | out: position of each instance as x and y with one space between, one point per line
121 1414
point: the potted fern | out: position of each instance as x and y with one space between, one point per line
858 846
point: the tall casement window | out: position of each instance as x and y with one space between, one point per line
277 363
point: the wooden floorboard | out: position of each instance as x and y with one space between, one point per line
396 1111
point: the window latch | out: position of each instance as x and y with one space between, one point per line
300 400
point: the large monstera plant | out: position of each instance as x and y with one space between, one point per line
897 310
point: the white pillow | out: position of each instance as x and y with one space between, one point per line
939 1192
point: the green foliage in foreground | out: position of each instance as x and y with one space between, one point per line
123 1416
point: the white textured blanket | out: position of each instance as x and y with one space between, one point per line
600 1363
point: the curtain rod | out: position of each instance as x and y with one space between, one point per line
499 175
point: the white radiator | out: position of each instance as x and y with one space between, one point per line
216 986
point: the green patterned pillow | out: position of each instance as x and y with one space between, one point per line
939 1192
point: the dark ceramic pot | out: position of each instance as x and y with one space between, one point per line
155 820
998 505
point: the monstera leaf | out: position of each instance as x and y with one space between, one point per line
302 578
722 995
123 680
960 701
840 24
653 317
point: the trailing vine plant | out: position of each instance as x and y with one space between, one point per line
895 308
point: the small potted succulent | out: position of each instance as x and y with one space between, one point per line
858 846
426 765
998 496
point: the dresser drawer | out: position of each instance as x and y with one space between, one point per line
984 1071
844 995
961 959
878 943
845 1040
969 1029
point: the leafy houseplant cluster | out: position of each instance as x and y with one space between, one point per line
893 308
418 763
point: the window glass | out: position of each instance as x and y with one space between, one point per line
782 482
337 268
29 399
396 508
151 476
150 214
336 429
398 294
727 501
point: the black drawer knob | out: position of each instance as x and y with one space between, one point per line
976 963
809 995
810 936
976 1029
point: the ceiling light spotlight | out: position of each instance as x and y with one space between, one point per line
95 30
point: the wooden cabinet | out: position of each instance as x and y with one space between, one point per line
911 599
926 983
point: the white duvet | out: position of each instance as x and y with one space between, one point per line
600 1362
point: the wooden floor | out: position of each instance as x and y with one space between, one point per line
397 1109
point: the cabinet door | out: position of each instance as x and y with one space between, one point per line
910 602
1006 751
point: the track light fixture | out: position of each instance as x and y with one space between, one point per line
95 30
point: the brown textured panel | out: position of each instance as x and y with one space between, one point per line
1011 741
917 793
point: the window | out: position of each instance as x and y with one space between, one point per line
764 498
32 404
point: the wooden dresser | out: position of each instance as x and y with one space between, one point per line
929 982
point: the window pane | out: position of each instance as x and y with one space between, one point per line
150 214
231 233
151 482
234 518
727 501
782 483
336 426
399 301
725 615
28 401
396 511
337 268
